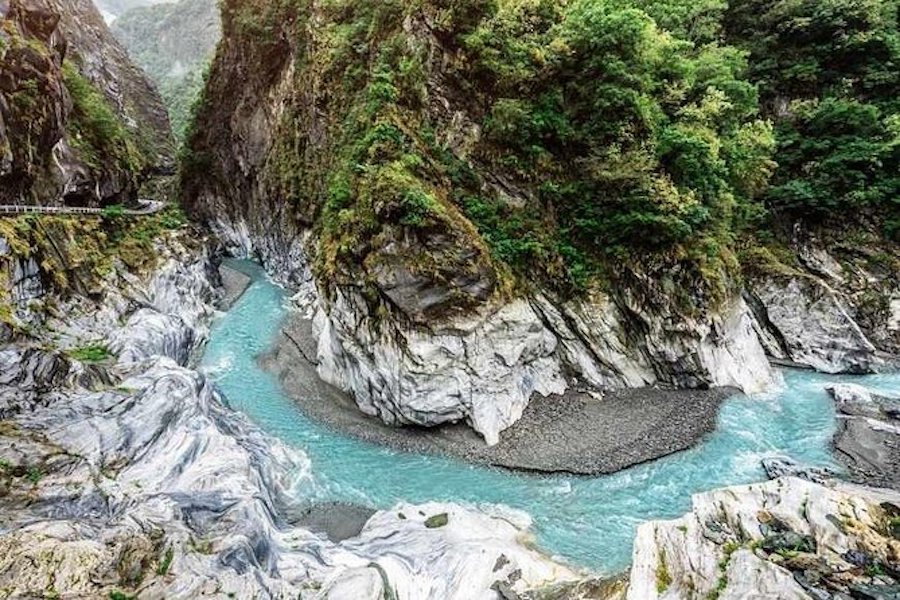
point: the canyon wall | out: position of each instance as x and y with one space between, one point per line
79 123
417 315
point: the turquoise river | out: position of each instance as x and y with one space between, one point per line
587 521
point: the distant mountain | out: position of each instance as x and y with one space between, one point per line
172 42
112 9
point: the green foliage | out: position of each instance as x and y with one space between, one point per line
698 20
113 212
576 139
95 129
172 42
639 143
828 72
190 161
837 156
91 353
663 577
34 475
166 563
816 48
180 96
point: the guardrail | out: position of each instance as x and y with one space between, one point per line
148 207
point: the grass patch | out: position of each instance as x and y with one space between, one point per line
92 353
166 562
663 577
34 475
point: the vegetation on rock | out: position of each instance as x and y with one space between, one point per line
173 43
95 129
74 255
78 123
570 144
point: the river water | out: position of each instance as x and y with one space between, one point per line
587 521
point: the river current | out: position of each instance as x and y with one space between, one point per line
587 521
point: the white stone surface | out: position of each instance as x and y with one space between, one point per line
483 370
157 465
714 542
817 328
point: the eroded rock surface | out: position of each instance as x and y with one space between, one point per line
833 307
813 327
79 123
867 440
130 475
787 538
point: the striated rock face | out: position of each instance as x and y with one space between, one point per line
483 369
867 440
613 347
833 309
132 477
811 327
786 538
49 261
79 123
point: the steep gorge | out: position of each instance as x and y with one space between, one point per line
352 183
436 185
471 235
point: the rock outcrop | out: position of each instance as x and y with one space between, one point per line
79 123
867 440
787 538
832 309
485 368
130 476
47 261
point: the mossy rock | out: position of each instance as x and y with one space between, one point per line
436 521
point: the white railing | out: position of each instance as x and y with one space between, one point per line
148 207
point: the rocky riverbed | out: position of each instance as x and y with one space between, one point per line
867 441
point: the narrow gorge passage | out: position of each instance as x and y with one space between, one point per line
588 521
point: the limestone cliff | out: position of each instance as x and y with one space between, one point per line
829 299
312 154
79 123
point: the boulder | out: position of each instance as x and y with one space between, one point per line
786 538
867 440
